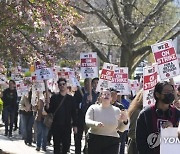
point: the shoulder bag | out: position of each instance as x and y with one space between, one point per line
48 119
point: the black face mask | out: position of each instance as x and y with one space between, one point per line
168 98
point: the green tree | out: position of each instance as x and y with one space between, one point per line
131 25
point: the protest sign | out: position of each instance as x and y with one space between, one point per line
38 86
120 80
22 88
44 74
106 76
134 86
149 82
66 73
166 58
89 66
16 76
169 141
3 79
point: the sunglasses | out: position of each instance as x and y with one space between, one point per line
62 84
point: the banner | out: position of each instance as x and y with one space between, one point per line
120 80
166 58
106 77
89 65
169 141
149 82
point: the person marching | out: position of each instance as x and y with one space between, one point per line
151 119
104 120
61 126
9 99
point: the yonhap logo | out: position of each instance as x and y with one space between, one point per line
153 140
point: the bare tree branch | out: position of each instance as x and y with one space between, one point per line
171 30
118 18
157 9
106 44
82 10
137 62
93 47
106 20
147 35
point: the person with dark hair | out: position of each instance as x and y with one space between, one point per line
63 107
27 118
83 101
9 106
151 119
104 120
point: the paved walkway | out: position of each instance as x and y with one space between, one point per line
16 145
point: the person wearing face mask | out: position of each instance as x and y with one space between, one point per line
104 120
156 117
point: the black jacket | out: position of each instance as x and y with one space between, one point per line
9 98
65 114
145 127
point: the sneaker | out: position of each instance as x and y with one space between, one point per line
5 134
10 135
44 149
38 149
25 142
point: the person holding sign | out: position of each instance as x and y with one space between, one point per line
151 119
104 120
63 106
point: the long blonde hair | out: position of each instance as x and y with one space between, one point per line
136 103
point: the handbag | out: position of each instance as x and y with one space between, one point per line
48 119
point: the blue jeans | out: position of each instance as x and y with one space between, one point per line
123 139
8 114
42 132
27 124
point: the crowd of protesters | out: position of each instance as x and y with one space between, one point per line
110 121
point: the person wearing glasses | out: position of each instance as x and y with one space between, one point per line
104 120
152 118
61 126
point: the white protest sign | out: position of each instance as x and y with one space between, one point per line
66 73
169 141
134 85
106 77
3 79
38 86
44 74
39 65
166 58
74 82
120 80
22 88
16 76
89 66
149 82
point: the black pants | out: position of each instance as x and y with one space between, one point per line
99 144
61 139
77 139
